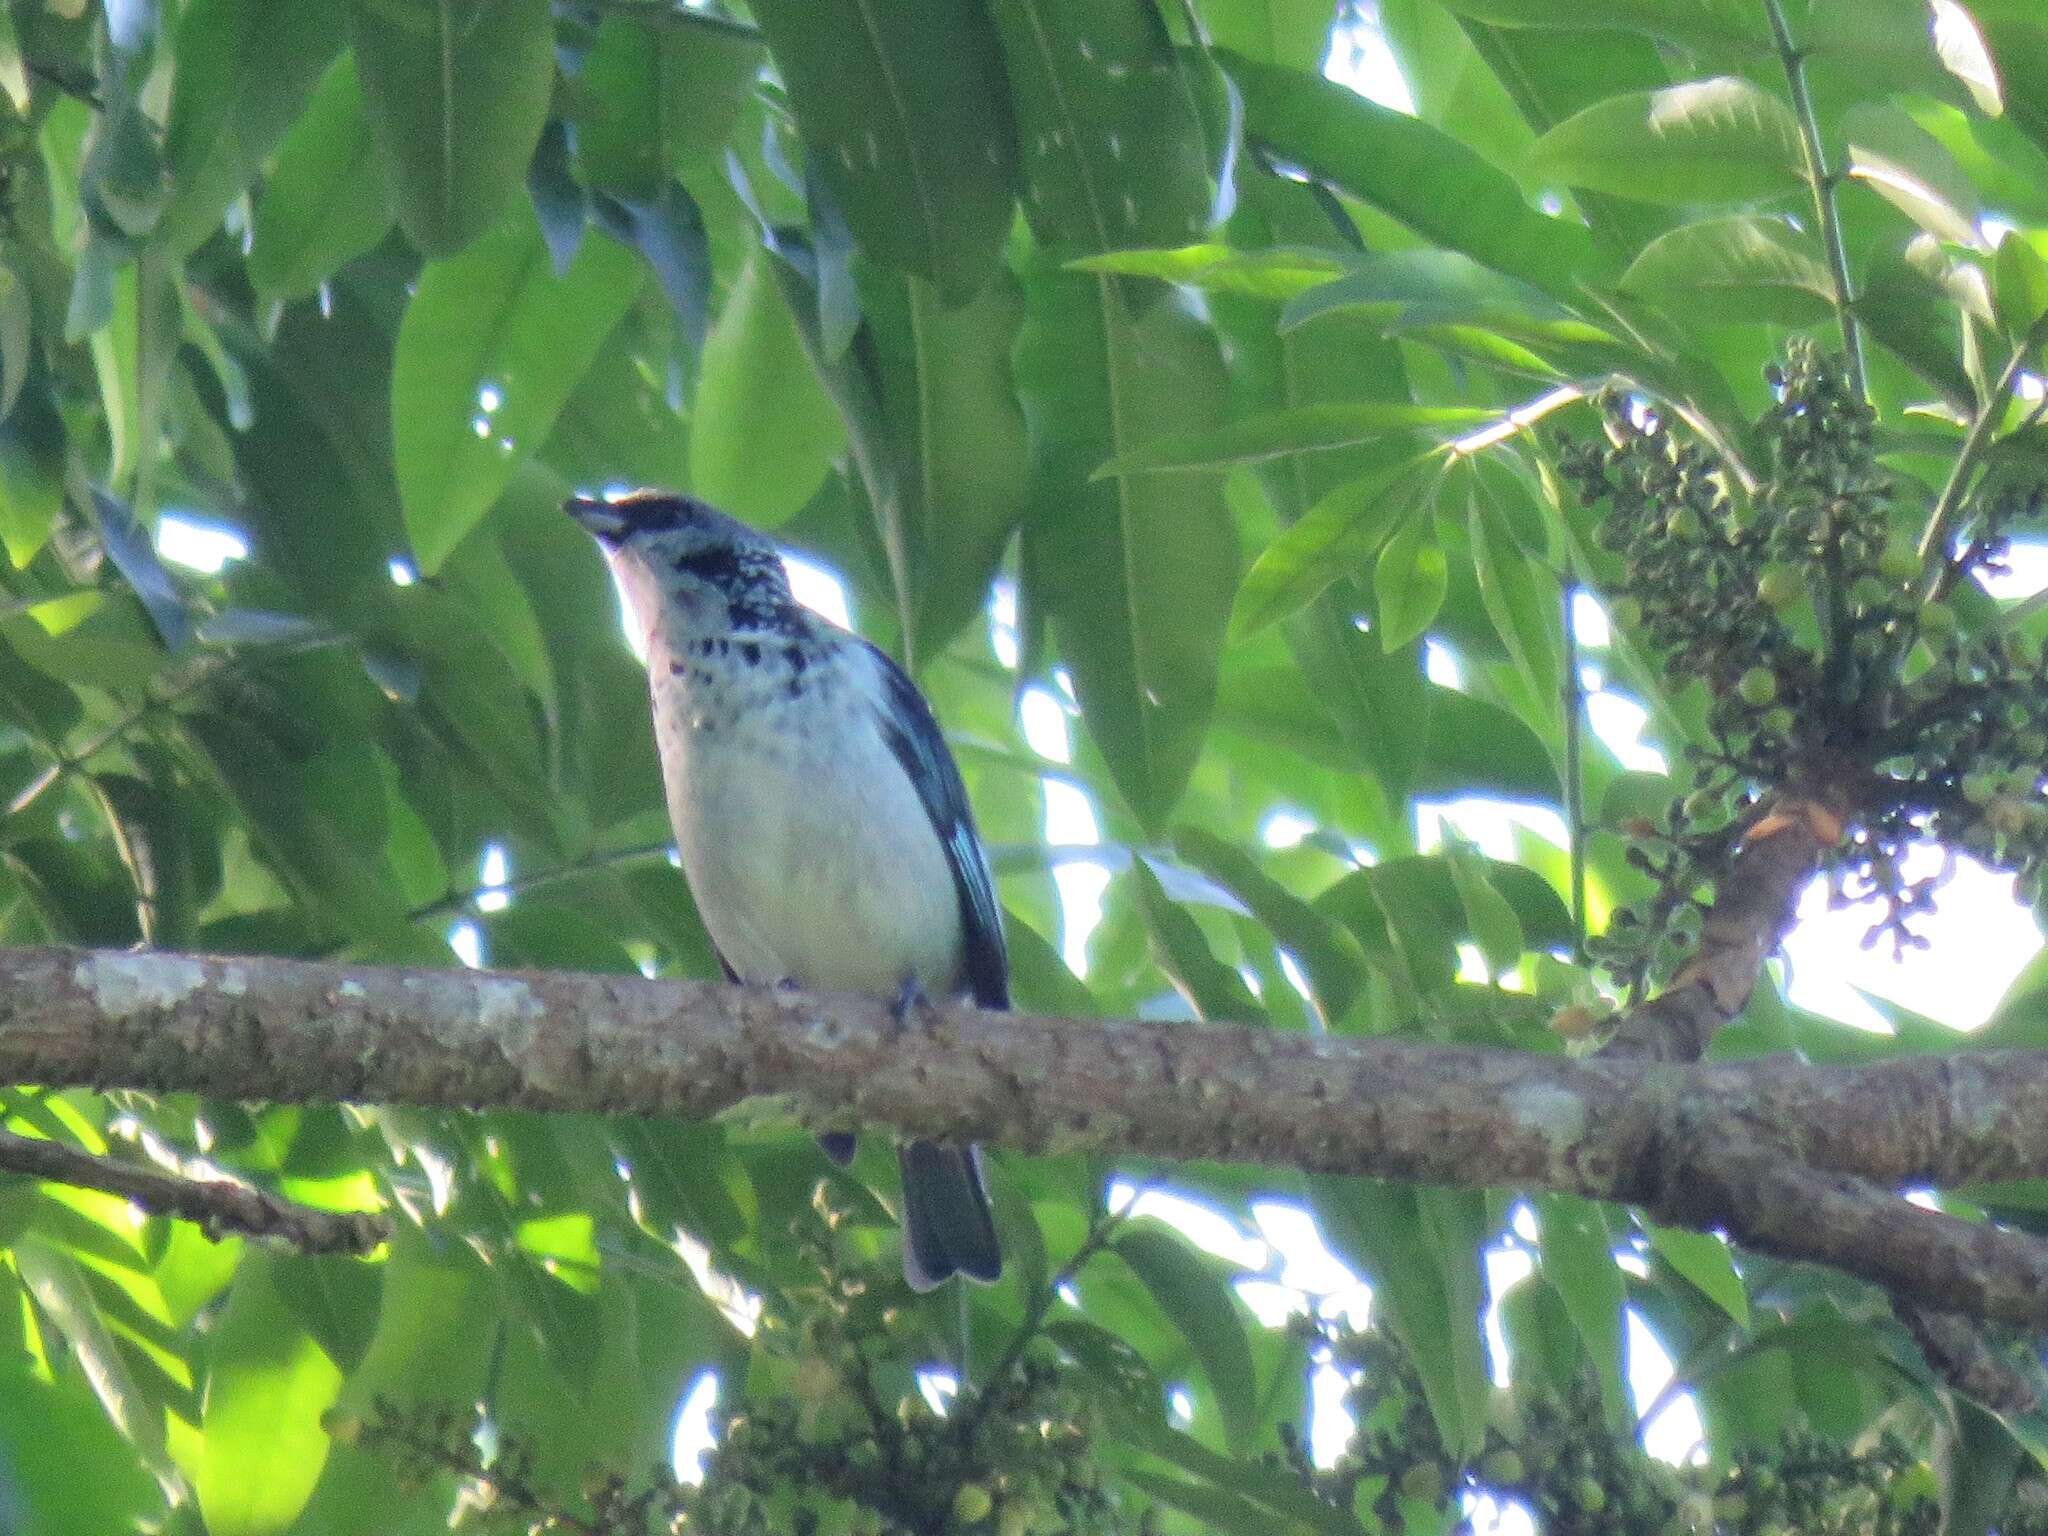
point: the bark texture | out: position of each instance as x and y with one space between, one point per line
1798 1161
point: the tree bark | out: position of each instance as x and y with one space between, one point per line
1690 1143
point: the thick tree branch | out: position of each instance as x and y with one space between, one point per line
219 1205
1753 907
1638 1132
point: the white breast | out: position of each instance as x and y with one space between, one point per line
806 846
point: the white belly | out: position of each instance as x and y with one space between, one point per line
811 867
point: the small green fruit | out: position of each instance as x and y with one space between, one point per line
1978 788
1898 563
1757 687
1502 1468
1423 1482
1627 613
972 1503
1937 618
1781 586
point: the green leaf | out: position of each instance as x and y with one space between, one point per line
58 1284
1299 429
32 461
756 386
17 335
494 322
963 454
267 1385
1329 955
327 200
2019 285
657 99
1215 990
1190 1289
457 92
1705 1261
1742 268
1410 579
1110 142
1383 1229
902 109
1419 175
243 70
1722 140
1422 286
1523 601
1578 1259
1335 537
1278 273
49 1431
1136 573
1488 917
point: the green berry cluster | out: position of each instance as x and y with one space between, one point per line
1834 661
1552 1452
833 1437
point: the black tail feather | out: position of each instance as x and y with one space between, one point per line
948 1228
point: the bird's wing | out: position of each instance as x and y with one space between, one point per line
913 736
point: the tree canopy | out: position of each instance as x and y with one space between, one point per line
1252 473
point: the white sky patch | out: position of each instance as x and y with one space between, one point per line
1200 1222
693 1438
818 589
1285 829
1002 624
1506 1267
492 872
1676 1432
1488 823
2026 572
938 1388
1440 665
403 572
1618 721
1589 621
467 940
1980 938
198 544
1361 58
1044 720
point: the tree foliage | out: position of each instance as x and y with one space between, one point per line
1113 355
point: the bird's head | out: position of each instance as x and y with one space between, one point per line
688 565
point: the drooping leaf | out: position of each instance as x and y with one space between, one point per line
906 112
457 93
1110 143
328 199
1706 141
1410 578
267 1385
1145 567
490 349
1745 267
1189 1290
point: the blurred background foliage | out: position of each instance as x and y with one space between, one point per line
1187 420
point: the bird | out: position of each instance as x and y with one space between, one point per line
819 815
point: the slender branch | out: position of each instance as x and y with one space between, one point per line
1752 911
1629 1131
466 900
1100 1232
1574 761
1821 180
218 1205
1948 504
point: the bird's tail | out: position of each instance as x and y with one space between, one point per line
948 1228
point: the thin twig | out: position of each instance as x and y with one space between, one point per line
1948 504
1574 762
1099 1233
1822 183
218 1205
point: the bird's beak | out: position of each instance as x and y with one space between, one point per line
600 518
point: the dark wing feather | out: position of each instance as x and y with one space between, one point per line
913 735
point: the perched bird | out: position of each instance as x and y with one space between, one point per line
821 820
